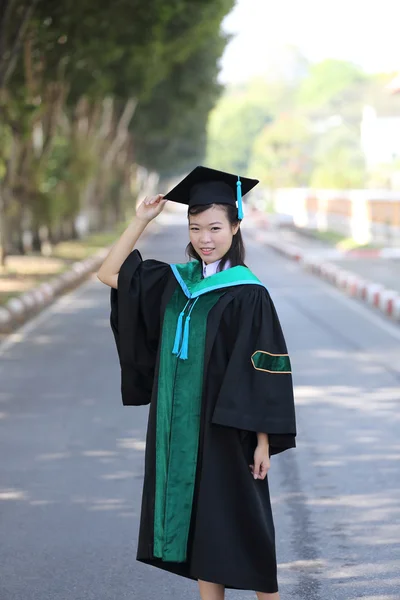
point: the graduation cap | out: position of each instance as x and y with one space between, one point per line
209 186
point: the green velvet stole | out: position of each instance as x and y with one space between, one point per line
178 424
179 401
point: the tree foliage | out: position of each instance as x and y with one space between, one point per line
87 90
338 161
279 153
235 122
298 131
332 86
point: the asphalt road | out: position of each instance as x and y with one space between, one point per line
72 456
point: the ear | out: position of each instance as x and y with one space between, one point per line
235 228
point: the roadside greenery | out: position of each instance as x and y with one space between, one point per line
301 127
93 98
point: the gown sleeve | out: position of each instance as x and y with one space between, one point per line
135 323
257 390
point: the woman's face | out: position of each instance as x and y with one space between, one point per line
211 233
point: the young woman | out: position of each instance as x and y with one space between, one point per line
202 344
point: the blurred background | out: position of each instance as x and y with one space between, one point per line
102 103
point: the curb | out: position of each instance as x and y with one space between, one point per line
383 299
380 253
21 308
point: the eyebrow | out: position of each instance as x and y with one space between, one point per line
214 223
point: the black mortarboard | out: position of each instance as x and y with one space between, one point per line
210 186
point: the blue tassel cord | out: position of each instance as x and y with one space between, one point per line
239 198
183 354
178 333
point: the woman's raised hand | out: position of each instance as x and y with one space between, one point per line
150 208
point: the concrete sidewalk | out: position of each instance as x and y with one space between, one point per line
382 270
372 277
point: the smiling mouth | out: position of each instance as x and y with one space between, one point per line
206 249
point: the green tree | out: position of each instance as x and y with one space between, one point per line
339 162
83 74
170 136
280 154
241 113
333 87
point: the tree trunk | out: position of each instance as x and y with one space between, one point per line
3 229
36 241
9 52
54 234
74 232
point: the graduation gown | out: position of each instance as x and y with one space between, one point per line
245 387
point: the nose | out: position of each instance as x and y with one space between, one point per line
205 237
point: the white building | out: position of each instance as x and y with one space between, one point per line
380 137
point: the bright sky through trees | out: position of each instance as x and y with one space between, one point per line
365 32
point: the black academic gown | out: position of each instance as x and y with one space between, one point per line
232 537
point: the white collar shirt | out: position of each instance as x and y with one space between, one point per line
211 268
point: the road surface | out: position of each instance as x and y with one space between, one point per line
72 456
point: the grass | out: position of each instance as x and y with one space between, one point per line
80 249
23 273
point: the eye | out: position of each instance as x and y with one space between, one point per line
194 229
215 228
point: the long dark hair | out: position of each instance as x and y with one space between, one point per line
236 253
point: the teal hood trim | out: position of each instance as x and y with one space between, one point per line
188 275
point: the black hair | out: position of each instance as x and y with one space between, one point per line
236 253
